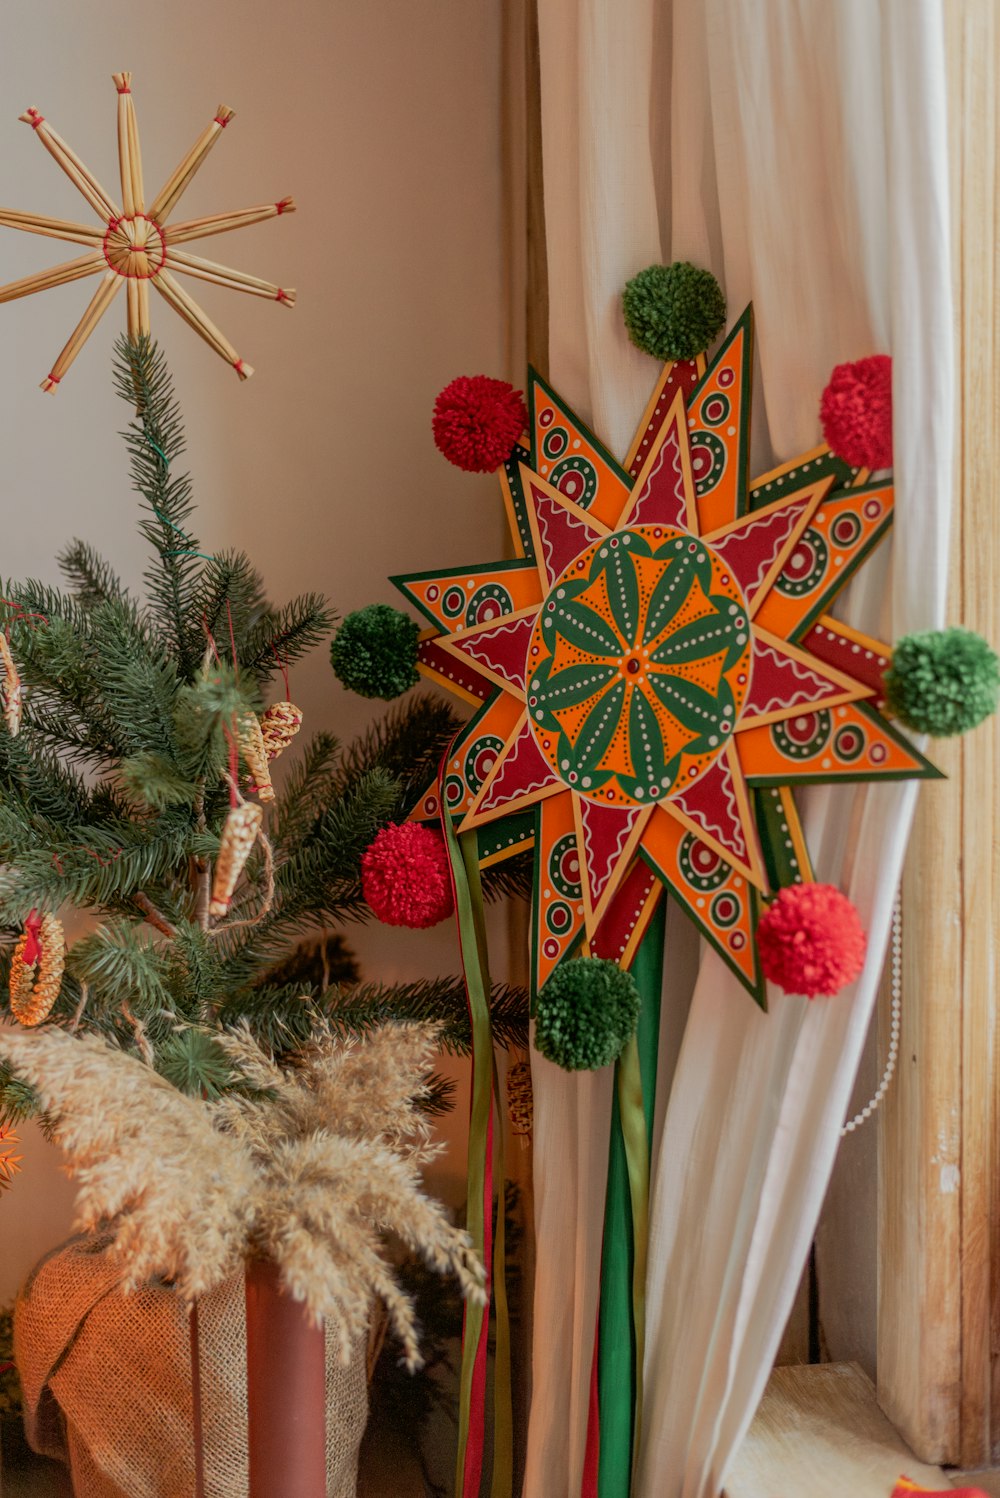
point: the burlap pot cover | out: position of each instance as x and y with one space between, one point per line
107 1383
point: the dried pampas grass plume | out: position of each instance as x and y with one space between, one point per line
145 1156
308 1169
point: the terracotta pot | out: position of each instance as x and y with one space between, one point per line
286 1391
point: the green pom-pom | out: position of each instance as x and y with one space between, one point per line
673 311
943 681
586 1013
374 652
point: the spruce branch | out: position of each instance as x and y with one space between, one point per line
408 743
196 975
75 740
229 589
120 966
314 965
280 1016
155 440
18 1099
37 787
156 781
94 866
205 714
60 666
444 1000
283 636
321 877
195 1063
310 785
138 680
92 580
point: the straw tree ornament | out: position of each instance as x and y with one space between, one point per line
36 970
279 725
255 756
239 834
11 692
133 245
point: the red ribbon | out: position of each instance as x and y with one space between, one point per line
234 764
905 1488
232 641
592 1451
284 671
32 947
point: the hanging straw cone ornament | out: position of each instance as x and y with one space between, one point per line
36 970
279 725
255 756
133 245
11 691
238 837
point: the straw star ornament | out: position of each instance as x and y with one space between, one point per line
134 246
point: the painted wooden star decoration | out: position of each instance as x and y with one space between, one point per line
134 246
658 667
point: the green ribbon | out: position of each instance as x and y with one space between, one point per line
503 1410
464 854
622 1332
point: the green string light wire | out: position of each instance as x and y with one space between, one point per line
173 551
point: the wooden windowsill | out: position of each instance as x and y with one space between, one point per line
819 1431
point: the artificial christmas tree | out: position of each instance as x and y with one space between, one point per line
136 793
134 760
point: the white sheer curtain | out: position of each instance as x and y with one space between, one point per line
806 163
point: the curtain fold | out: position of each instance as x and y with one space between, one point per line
600 223
807 167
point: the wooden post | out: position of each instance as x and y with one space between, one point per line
286 1391
526 322
939 1190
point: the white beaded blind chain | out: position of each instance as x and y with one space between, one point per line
896 981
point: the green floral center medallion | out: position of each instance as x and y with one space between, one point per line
639 665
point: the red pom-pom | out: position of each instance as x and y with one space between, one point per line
856 412
405 878
477 422
811 940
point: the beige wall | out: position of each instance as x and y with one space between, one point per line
382 119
